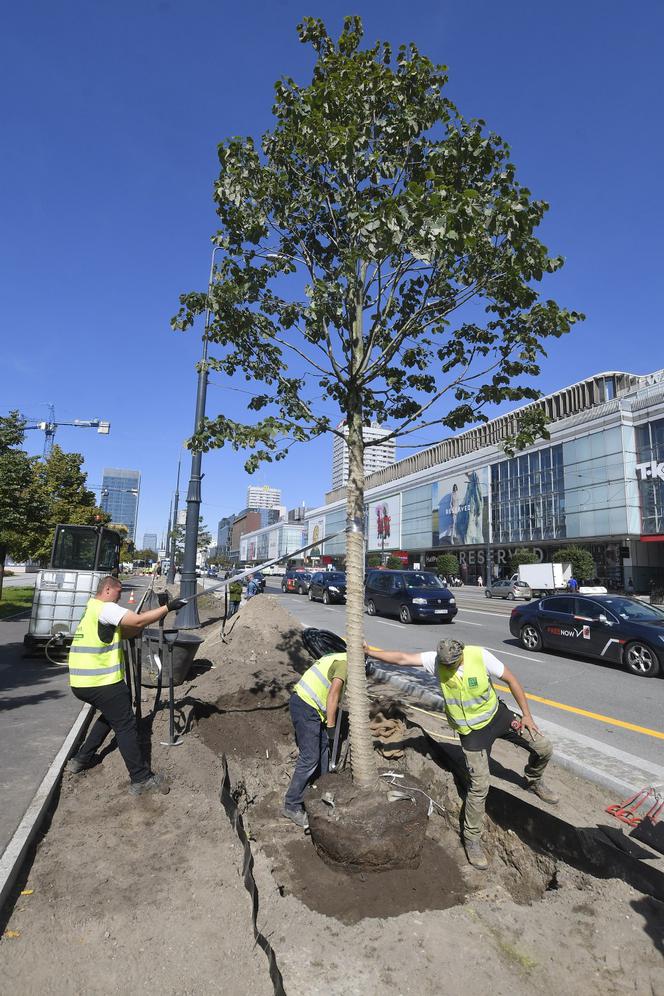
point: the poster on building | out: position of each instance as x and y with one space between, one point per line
273 544
385 524
243 551
459 513
316 534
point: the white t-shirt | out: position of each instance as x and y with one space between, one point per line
112 614
491 663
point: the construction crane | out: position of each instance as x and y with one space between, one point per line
48 427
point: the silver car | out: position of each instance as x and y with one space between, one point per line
510 590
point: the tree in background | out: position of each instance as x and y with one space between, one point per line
522 556
374 560
204 537
66 496
447 566
22 504
583 565
378 252
393 563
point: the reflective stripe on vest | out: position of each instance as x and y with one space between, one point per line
469 706
93 663
314 685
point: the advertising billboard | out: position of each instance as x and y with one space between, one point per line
459 512
316 533
385 524
273 544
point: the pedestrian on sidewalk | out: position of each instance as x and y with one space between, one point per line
97 676
479 717
313 709
252 587
234 597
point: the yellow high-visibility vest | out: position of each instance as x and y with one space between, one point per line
314 685
93 663
470 701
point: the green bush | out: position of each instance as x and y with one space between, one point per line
447 565
583 565
522 556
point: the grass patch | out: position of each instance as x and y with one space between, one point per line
15 600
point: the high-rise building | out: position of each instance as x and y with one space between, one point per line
263 496
375 457
120 490
150 541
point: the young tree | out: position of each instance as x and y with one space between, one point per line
522 556
583 565
354 238
447 565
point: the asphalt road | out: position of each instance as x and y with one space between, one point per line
582 684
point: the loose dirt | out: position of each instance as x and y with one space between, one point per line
146 894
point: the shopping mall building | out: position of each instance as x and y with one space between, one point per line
597 482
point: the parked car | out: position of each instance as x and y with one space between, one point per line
297 580
328 586
607 627
510 589
409 595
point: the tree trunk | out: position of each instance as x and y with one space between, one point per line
363 761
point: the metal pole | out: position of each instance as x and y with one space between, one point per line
488 531
187 617
170 577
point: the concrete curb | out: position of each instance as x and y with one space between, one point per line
16 850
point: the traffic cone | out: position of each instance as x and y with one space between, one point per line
132 600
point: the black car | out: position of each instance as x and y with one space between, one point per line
409 595
328 586
608 627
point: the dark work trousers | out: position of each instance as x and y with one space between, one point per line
114 705
311 740
232 608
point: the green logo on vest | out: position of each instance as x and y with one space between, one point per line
472 682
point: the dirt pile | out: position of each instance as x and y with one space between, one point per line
146 894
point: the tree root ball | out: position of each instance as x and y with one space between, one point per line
363 830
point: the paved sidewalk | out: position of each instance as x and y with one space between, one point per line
37 711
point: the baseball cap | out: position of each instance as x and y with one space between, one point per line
449 652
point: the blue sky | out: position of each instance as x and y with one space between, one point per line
111 115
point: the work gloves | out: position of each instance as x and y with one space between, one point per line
330 735
174 604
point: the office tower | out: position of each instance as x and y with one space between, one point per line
150 541
375 457
263 496
120 492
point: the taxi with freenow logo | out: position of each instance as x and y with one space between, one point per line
614 628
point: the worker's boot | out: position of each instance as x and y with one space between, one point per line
75 767
475 853
155 783
543 792
298 816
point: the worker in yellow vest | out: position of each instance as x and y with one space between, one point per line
97 676
313 710
474 710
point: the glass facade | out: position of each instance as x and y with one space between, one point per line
528 497
119 497
650 450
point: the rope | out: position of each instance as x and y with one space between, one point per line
392 776
228 802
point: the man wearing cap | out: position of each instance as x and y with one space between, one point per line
479 717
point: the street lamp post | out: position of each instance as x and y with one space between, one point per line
187 617
170 577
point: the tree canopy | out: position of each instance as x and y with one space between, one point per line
372 202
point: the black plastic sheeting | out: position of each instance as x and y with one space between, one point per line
322 641
228 802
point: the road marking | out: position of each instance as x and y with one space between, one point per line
591 715
485 612
510 653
